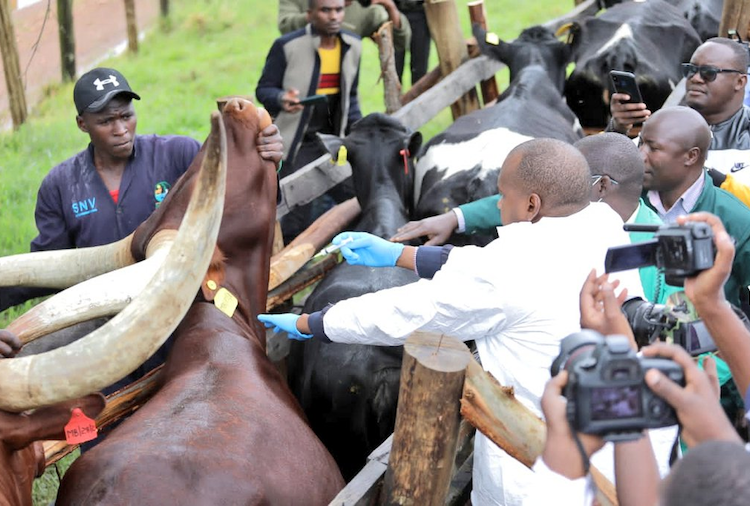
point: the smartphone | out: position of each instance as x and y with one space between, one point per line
624 82
313 99
632 256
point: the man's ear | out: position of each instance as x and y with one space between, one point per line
692 155
81 125
534 205
741 82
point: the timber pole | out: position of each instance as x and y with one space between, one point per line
132 26
391 83
735 16
478 15
67 39
442 18
11 67
427 421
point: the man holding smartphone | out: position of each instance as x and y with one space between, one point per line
715 87
318 59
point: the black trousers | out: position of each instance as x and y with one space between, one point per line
419 49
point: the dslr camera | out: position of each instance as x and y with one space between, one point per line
606 391
681 251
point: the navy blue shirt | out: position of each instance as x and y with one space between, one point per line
75 210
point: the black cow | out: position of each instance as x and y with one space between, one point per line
462 163
650 39
349 392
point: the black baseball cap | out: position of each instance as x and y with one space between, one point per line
97 87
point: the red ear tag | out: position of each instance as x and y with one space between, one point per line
405 153
80 428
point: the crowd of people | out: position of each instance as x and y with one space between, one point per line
558 210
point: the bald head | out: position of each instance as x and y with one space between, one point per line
616 169
553 172
683 126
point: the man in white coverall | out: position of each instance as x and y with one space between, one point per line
517 297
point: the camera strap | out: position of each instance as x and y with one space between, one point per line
584 458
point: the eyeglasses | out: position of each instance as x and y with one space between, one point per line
598 177
708 72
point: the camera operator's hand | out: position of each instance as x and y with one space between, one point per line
561 453
601 308
707 288
697 404
625 114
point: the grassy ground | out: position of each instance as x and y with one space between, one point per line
214 48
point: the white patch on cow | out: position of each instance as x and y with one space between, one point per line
624 32
488 148
672 84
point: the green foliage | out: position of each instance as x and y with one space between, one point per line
207 49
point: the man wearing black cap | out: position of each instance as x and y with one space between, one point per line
104 192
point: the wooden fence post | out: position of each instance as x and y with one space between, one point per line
391 84
735 16
442 18
11 66
424 440
478 15
132 26
67 39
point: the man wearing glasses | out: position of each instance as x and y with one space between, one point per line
715 87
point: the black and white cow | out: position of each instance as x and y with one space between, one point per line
650 39
349 392
462 163
703 15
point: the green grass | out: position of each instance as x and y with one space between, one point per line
213 48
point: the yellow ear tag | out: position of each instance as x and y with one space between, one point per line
564 29
492 38
225 302
341 157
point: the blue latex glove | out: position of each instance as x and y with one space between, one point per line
286 322
369 250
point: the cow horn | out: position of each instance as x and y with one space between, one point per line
64 268
126 341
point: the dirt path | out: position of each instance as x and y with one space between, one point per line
99 27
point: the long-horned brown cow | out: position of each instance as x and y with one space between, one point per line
223 428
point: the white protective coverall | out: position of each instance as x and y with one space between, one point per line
518 297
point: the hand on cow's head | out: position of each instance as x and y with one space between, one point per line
10 344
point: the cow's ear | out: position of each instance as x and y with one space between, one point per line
331 143
489 43
49 422
415 143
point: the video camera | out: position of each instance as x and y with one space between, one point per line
681 251
606 391
674 323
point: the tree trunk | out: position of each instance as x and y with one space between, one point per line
11 66
132 26
424 440
67 39
442 18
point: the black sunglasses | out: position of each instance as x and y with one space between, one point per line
708 73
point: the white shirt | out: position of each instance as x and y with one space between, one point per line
518 297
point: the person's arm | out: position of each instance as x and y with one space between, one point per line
625 115
481 215
401 27
270 91
292 15
355 114
636 473
706 292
